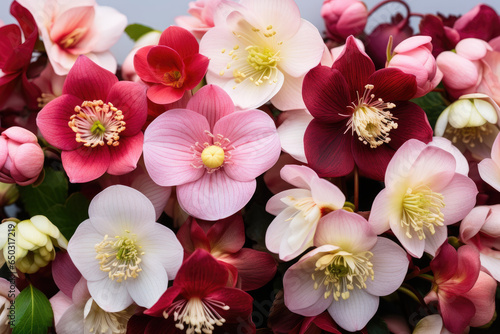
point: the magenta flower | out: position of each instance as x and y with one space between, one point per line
211 153
361 116
96 122
171 67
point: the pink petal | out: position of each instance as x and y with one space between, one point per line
85 164
167 146
491 265
483 297
256 142
161 94
141 65
196 68
227 235
412 43
73 18
180 40
468 268
124 157
65 273
434 241
324 191
88 81
4 151
354 313
434 167
107 28
347 230
28 161
130 98
212 102
289 96
473 222
459 198
400 165
453 306
292 131
20 135
445 263
157 195
459 73
390 264
490 172
298 176
413 245
214 196
53 120
381 212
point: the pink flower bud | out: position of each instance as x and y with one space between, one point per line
21 157
414 56
344 18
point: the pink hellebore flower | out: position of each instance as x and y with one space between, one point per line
96 122
121 251
481 228
299 211
347 272
489 169
414 56
21 157
473 68
72 28
211 153
201 17
171 67
260 50
466 295
423 194
344 18
248 268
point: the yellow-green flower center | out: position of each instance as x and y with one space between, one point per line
422 209
213 156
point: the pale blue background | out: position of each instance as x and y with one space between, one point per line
160 14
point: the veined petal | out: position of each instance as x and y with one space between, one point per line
85 164
277 229
299 176
392 84
326 193
212 102
161 94
433 167
289 96
227 235
434 240
130 98
150 283
124 158
196 68
412 124
459 198
383 208
354 313
110 295
414 246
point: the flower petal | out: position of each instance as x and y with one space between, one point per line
412 124
130 98
239 302
289 96
278 228
483 297
162 94
212 102
227 235
459 198
180 40
292 131
326 193
490 173
65 273
381 211
150 283
85 164
110 295
392 84
299 176
354 313
124 158
414 246
372 162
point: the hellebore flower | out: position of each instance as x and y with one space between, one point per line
199 302
201 17
471 123
489 169
171 67
260 50
423 194
361 116
466 295
96 122
211 153
70 29
343 18
299 211
121 251
248 268
128 70
347 272
21 157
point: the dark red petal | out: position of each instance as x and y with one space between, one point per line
255 268
138 323
198 237
88 81
161 94
195 69
372 162
65 273
328 149
162 59
326 94
239 302
165 301
53 120
10 38
456 312
180 40
444 265
485 25
124 157
8 83
200 274
355 66
85 164
392 84
141 65
161 326
130 98
412 123
227 235
326 323
26 21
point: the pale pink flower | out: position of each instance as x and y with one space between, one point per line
299 211
211 153
121 251
489 169
71 28
201 17
424 193
431 324
344 18
414 56
260 50
347 272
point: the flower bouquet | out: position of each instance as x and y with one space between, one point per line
244 172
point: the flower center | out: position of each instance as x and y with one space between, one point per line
173 78
422 208
470 136
341 271
96 320
119 256
97 123
307 207
199 315
213 156
72 39
371 122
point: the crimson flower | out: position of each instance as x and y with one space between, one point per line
361 116
171 67
198 302
96 122
248 268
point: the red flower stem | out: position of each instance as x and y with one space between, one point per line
356 189
383 3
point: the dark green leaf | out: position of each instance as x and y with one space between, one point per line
433 104
53 190
67 217
377 326
136 31
33 313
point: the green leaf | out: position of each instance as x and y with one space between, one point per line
136 31
33 313
53 190
433 104
377 326
67 217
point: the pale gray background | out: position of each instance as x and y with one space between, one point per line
160 14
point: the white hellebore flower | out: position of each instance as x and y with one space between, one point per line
261 50
122 252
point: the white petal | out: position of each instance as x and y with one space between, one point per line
149 285
71 322
442 123
325 193
277 229
445 144
491 264
291 132
275 205
111 296
490 173
354 313
413 245
434 241
290 95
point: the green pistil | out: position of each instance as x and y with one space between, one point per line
97 128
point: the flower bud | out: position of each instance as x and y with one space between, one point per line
21 157
34 241
344 18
